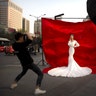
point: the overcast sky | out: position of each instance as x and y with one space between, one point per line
70 8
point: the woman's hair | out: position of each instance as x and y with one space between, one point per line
72 35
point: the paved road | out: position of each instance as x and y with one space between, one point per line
55 86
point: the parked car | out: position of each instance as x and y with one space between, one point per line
5 46
9 50
3 43
1 48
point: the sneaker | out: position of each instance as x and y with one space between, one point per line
39 91
14 85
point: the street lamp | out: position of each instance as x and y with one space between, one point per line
37 22
37 34
56 16
37 17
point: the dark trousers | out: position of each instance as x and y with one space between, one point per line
33 67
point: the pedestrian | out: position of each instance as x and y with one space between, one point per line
20 47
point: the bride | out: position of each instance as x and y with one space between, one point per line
73 69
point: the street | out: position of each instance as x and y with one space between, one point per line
55 86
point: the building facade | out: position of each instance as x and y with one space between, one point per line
37 27
25 25
10 15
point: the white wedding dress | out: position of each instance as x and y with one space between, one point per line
73 69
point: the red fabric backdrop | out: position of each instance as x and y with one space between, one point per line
55 36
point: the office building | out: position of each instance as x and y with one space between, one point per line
10 15
37 27
25 25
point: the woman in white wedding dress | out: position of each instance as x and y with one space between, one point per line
73 69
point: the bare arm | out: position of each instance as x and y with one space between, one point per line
29 36
76 44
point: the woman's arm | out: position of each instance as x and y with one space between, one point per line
29 36
76 44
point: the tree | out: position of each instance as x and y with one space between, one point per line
22 30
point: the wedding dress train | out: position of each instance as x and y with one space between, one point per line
73 69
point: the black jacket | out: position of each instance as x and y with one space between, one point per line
22 52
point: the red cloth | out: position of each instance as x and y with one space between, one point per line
55 36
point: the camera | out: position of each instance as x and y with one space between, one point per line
25 37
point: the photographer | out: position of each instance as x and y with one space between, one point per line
20 47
